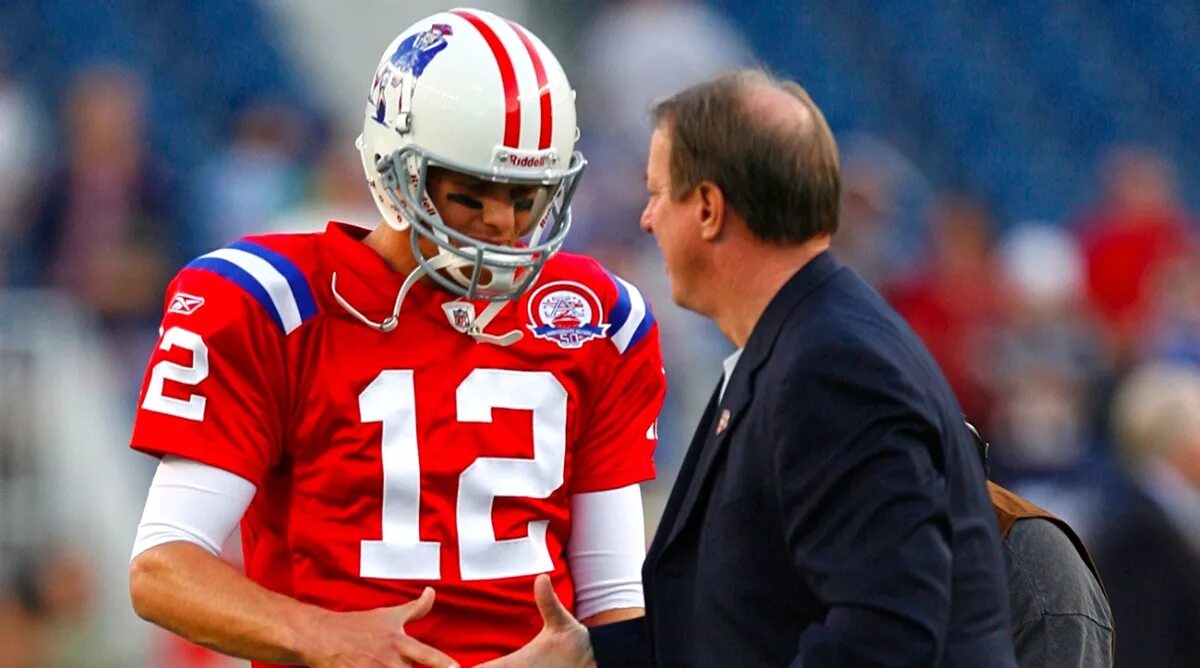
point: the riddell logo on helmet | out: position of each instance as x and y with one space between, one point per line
525 161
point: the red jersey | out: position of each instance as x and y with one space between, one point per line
386 462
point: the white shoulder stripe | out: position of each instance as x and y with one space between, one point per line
270 279
637 312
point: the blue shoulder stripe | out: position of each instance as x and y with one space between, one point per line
243 279
620 311
273 280
630 319
295 278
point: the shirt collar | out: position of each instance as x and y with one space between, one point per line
729 364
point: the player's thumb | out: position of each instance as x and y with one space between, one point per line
418 607
553 612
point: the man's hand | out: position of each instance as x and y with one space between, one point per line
372 638
562 643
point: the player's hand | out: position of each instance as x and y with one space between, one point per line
563 641
374 638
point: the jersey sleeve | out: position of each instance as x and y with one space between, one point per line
617 448
214 389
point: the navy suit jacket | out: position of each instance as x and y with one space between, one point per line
831 509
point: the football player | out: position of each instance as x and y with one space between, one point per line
444 406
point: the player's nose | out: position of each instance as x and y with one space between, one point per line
500 218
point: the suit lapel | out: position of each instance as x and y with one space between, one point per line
712 443
682 481
708 446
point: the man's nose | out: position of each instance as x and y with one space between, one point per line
644 221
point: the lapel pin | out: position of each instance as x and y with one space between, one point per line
723 422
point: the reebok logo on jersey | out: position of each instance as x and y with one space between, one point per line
185 304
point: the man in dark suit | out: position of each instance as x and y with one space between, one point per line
831 510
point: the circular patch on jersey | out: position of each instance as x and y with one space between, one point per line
567 313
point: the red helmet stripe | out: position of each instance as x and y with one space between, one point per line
508 77
543 87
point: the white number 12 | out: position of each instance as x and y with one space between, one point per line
401 554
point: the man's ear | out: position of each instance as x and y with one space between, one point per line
712 210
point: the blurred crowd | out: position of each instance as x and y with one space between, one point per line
1073 344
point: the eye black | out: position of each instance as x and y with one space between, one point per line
464 200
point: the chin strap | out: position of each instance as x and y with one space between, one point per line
490 311
389 323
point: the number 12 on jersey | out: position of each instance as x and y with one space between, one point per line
401 554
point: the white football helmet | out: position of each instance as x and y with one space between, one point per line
471 92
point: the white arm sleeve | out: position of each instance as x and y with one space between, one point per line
192 502
606 550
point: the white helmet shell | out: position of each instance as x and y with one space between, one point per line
469 91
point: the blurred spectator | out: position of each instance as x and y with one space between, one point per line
104 231
640 50
1044 357
257 178
45 597
637 51
1149 549
1173 330
882 233
21 162
335 192
1041 265
953 304
1137 227
1040 418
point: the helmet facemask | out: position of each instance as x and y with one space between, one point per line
464 265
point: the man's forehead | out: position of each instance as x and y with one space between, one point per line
660 149
661 136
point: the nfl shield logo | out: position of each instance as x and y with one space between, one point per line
460 314
462 319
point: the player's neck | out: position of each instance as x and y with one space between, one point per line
393 246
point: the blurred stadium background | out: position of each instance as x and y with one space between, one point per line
1021 182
